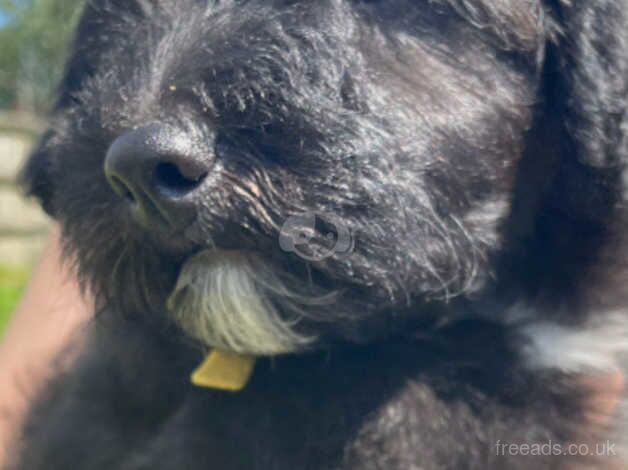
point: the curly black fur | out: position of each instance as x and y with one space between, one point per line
475 150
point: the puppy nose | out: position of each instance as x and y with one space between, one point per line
158 170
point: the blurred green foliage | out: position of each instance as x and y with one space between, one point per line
33 47
34 39
12 282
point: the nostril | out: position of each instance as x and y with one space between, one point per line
169 177
121 188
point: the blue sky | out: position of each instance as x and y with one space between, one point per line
3 18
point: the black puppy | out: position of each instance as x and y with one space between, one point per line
412 212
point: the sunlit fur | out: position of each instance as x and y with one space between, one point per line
474 150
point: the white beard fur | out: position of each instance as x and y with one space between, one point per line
223 299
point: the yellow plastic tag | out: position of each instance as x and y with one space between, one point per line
224 370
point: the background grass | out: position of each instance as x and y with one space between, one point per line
12 283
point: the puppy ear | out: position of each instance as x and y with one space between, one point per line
586 81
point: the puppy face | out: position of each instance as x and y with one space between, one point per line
190 134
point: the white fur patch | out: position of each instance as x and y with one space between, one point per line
601 345
223 299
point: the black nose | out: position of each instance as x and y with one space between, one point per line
159 171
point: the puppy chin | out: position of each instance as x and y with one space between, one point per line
226 300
